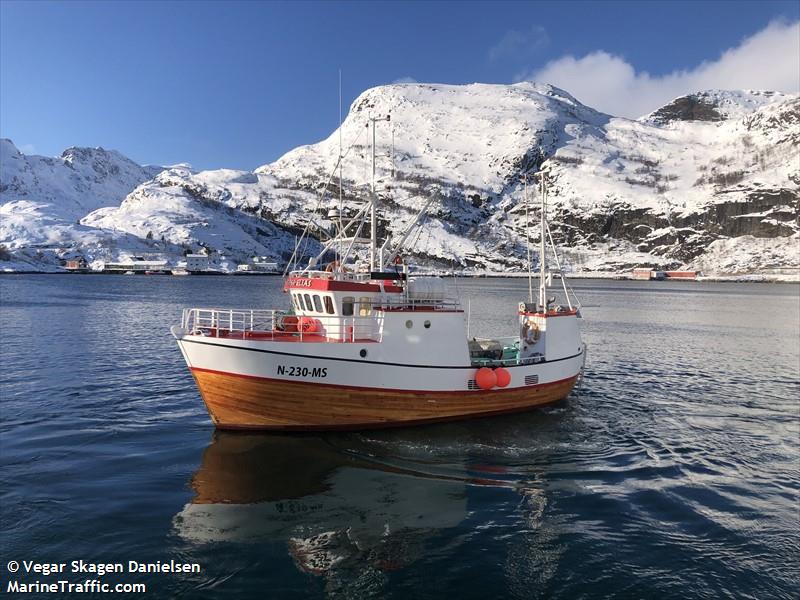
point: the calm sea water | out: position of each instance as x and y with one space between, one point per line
673 473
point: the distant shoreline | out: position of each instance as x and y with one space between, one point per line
740 278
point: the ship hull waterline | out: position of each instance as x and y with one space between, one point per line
241 402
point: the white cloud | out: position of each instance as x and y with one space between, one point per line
405 80
767 60
519 44
27 149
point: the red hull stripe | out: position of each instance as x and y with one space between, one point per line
359 387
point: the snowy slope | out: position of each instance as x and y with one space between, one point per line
75 205
714 105
42 198
625 192
178 210
677 187
77 182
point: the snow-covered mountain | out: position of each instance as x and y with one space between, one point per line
57 208
215 210
42 200
709 181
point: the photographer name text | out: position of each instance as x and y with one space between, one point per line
100 568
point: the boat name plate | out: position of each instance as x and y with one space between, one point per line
299 282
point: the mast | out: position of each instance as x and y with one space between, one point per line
542 245
341 206
373 218
528 240
547 235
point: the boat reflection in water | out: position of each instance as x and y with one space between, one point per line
334 509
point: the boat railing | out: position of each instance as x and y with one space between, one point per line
260 324
351 329
228 319
339 276
421 304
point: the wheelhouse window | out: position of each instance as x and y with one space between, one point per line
309 305
295 302
329 305
347 306
364 306
317 303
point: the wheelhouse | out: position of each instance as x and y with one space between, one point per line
323 294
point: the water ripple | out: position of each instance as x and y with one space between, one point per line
673 472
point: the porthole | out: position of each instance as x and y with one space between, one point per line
363 353
427 324
409 324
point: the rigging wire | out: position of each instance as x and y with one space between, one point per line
320 197
561 270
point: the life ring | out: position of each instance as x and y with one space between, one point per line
531 332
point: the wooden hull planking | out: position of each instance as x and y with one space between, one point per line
244 402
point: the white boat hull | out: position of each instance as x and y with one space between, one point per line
306 386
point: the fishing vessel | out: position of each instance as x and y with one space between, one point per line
375 345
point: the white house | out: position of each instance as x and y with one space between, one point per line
196 262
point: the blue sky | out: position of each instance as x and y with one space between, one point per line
237 84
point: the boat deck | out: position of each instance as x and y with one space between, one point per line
279 326
494 352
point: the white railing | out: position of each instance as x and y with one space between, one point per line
389 301
351 329
444 304
339 275
276 324
232 319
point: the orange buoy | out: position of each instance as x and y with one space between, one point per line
503 377
289 324
485 378
308 324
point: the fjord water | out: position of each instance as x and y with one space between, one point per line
674 472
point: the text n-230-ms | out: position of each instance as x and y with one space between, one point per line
291 371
